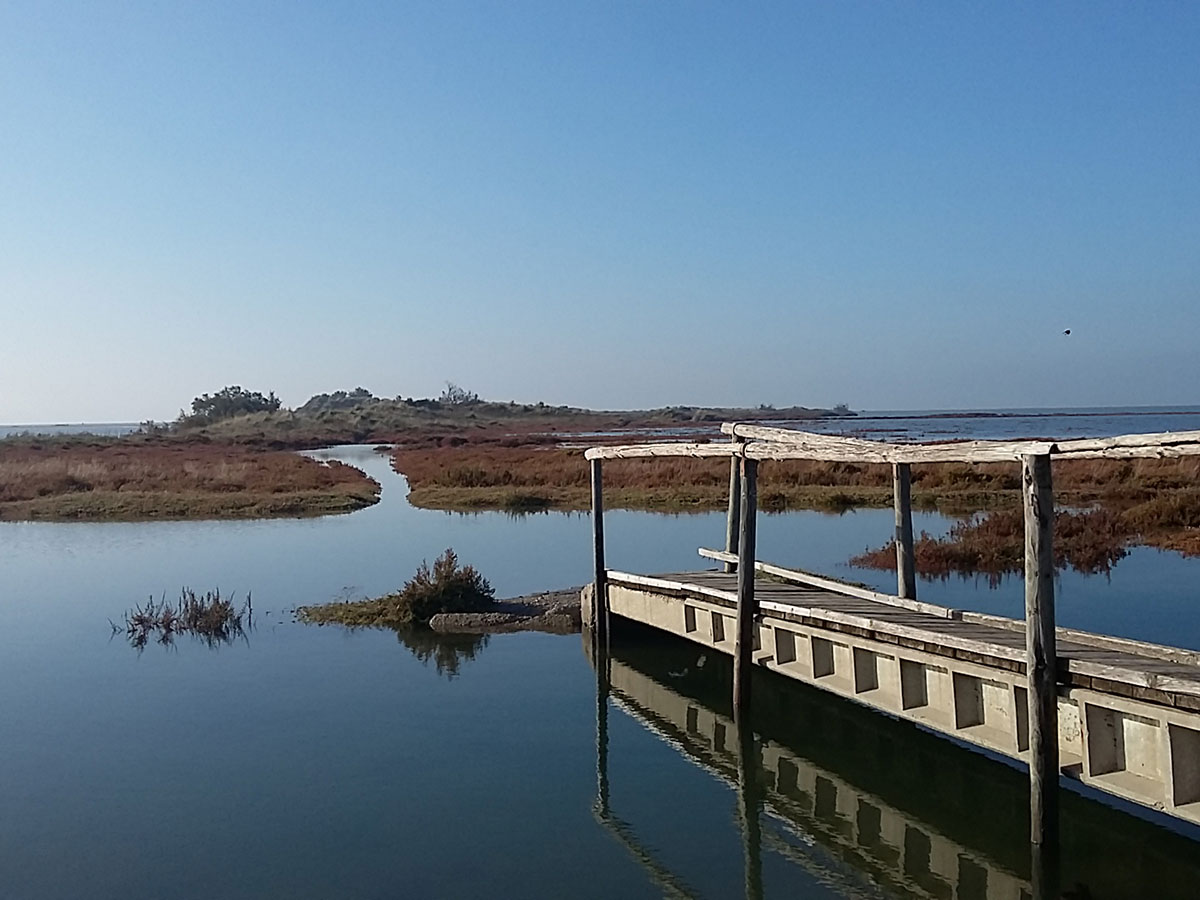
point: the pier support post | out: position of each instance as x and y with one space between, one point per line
733 520
906 576
600 577
1041 662
743 644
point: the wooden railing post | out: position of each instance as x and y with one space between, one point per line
1041 662
733 519
600 577
906 576
743 644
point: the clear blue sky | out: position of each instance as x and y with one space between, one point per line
610 204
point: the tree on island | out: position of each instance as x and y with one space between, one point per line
454 395
226 403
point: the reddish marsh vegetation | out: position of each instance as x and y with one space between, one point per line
127 480
481 471
496 475
993 545
1109 504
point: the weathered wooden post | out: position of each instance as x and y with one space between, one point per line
906 576
733 520
600 578
743 644
1041 662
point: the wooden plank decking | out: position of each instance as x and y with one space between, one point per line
1160 674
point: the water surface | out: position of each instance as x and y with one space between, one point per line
316 762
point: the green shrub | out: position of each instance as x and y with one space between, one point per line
445 588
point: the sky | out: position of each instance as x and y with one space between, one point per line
607 204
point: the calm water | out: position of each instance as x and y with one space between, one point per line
314 762
1007 424
993 424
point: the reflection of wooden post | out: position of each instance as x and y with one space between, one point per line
750 810
733 520
603 687
906 577
1041 662
743 644
600 596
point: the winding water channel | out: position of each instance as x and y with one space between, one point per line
312 762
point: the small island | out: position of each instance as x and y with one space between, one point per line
232 456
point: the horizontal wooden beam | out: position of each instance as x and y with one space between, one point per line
785 443
798 576
763 442
666 448
887 454
1174 439
1167 452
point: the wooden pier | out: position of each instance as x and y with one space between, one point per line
1122 716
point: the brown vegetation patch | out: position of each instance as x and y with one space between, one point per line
495 475
1150 501
208 617
483 472
994 545
171 480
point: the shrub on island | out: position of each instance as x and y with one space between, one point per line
447 587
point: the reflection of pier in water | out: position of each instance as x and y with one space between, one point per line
868 806
1122 716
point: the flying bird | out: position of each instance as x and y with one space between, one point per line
1068 331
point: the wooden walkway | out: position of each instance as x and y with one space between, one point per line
1165 675
1121 715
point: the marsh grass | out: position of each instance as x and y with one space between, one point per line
208 617
485 475
146 480
993 545
1106 505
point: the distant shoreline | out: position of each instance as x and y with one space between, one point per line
117 429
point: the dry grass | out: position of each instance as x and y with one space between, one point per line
493 476
209 617
141 480
465 472
1150 501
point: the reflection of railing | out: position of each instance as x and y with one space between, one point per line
671 885
742 769
867 806
831 820
1042 667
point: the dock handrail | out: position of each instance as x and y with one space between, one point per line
751 443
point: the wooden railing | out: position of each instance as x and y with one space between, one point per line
749 444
